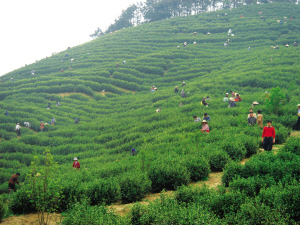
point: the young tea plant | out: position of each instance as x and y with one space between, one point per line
45 189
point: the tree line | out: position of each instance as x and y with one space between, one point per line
155 10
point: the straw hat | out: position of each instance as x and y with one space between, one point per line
75 158
298 105
231 99
204 121
255 103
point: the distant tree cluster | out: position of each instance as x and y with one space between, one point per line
155 10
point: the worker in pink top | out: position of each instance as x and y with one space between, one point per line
268 136
205 127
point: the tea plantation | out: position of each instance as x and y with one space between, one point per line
171 151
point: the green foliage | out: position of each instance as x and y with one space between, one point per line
218 159
168 176
276 100
198 167
253 213
231 170
235 149
45 189
82 213
171 150
134 187
292 145
99 191
3 208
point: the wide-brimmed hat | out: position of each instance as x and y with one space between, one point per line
231 99
298 105
255 103
204 121
75 158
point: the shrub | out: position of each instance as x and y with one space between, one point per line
251 144
253 213
218 159
3 208
168 176
101 191
134 187
193 194
284 199
227 203
197 166
251 186
82 214
232 170
292 145
21 202
235 149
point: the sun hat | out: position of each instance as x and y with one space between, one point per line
75 158
298 105
204 121
231 99
255 103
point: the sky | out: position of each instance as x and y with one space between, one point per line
32 29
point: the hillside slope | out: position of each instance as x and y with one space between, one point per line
171 150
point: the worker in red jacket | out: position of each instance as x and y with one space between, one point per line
268 136
76 164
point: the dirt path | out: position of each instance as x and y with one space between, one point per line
125 90
31 219
69 93
214 180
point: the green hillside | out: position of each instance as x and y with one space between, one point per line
171 150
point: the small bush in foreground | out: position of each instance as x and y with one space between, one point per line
134 187
168 176
197 166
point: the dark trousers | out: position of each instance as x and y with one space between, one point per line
297 124
18 132
11 187
268 143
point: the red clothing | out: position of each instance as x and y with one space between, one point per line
238 99
268 132
13 180
76 165
42 126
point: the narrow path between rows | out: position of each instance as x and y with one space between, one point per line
214 180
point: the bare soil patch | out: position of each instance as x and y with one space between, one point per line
31 219
69 93
125 90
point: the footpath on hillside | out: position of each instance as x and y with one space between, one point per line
214 180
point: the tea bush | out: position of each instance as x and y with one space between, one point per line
168 176
134 187
171 149
197 166
218 159
292 145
